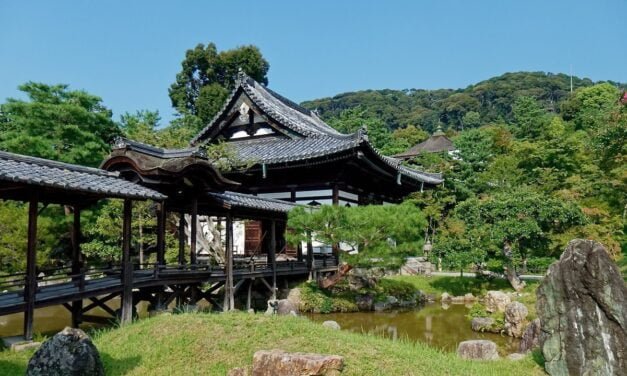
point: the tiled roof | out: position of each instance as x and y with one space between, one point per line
278 150
241 200
46 173
124 143
434 144
313 137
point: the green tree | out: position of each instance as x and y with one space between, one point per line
529 118
57 123
207 76
370 235
354 119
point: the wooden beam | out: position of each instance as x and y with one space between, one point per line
31 269
161 218
127 267
181 238
77 305
250 294
193 232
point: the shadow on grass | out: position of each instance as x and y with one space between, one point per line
12 368
460 286
537 357
122 366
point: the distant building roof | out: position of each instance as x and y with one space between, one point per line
242 200
437 143
47 174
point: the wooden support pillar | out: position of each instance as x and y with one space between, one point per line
181 238
229 299
161 218
272 255
310 255
249 298
299 252
30 288
193 231
77 266
335 247
127 266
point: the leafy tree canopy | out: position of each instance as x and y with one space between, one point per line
57 123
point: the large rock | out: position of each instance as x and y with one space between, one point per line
360 278
281 363
496 301
281 307
583 313
478 350
294 297
515 319
331 325
69 352
416 265
365 302
483 324
531 337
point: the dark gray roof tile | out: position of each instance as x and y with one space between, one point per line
47 173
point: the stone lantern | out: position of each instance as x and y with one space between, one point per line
426 249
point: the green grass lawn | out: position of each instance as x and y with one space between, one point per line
211 344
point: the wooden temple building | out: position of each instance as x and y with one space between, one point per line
295 159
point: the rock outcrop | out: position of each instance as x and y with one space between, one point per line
515 319
531 337
583 313
69 352
281 363
478 350
417 265
483 324
496 301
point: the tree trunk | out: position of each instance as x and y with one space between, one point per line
332 280
510 270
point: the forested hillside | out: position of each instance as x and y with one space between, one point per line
536 164
482 103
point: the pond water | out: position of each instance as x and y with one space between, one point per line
437 326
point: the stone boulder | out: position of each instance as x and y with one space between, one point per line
281 307
478 350
294 297
515 319
496 301
281 363
446 297
239 371
360 278
365 302
582 309
331 325
531 337
483 324
69 352
417 265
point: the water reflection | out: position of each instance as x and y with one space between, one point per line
438 326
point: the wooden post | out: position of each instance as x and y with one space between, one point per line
310 255
181 238
127 267
229 299
272 255
161 218
192 252
30 288
299 252
77 305
250 294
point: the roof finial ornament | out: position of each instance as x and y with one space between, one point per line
438 130
119 143
241 75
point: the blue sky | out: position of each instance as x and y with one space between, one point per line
128 52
